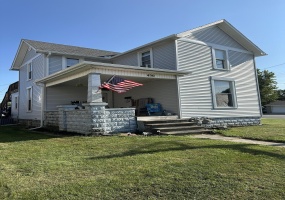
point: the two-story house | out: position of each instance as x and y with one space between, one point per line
208 71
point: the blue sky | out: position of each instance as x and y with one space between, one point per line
122 25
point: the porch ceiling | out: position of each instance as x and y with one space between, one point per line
80 71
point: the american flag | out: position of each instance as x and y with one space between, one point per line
119 84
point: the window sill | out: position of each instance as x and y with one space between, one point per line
225 108
227 70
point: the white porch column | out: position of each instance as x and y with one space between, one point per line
94 94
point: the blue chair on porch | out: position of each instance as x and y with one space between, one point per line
154 109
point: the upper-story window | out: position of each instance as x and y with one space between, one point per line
220 58
145 59
71 61
29 71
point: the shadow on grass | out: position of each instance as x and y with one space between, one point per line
15 133
159 147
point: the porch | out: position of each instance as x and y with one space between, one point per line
97 111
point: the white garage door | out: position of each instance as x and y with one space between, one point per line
278 109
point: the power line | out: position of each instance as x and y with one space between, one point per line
275 66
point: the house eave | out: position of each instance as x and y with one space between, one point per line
87 66
69 54
229 29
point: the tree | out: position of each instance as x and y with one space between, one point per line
267 86
281 95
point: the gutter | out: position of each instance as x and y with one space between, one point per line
68 54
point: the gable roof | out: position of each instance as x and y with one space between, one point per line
223 24
60 49
230 30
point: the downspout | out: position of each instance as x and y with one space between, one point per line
177 80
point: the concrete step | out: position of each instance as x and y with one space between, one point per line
177 128
187 132
166 121
173 124
154 118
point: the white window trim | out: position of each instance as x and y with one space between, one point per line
140 57
27 90
233 91
227 63
28 71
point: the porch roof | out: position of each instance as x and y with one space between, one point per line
84 68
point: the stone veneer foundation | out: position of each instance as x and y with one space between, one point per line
231 122
95 119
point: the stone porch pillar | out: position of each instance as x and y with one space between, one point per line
94 94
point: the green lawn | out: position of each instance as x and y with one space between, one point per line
37 166
270 130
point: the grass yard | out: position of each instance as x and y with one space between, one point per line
271 130
37 166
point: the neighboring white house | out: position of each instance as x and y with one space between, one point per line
276 107
208 71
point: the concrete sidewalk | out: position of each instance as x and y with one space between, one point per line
240 140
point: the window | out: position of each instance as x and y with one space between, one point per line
16 103
29 99
223 91
145 59
29 71
220 59
71 61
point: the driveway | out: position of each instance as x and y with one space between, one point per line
274 116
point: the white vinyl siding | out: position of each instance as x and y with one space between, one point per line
216 36
162 91
55 64
128 59
63 95
195 89
38 73
29 55
163 57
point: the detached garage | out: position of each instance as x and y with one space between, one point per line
276 107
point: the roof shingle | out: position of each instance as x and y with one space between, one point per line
68 50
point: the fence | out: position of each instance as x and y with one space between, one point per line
5 121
